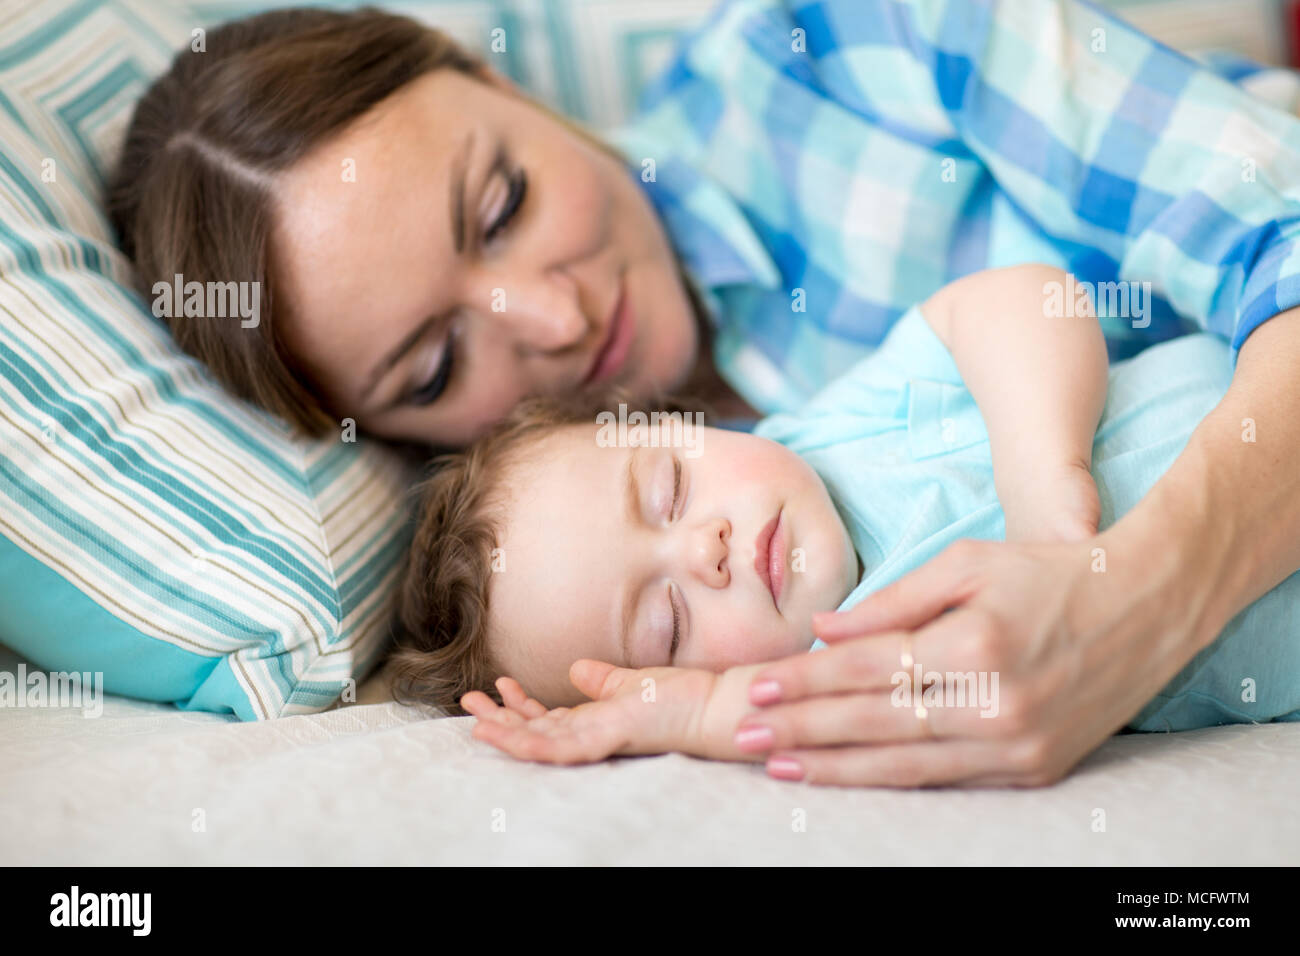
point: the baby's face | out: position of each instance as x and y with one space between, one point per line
604 548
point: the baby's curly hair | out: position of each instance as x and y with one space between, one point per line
442 650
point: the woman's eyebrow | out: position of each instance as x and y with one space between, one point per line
456 187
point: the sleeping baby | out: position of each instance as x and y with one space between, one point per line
679 556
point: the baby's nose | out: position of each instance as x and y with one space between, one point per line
713 554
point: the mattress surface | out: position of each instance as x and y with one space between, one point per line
376 782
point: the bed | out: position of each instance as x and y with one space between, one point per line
376 782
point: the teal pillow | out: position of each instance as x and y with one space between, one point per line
152 528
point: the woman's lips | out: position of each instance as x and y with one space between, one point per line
613 352
769 557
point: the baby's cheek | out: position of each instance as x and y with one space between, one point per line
756 460
734 643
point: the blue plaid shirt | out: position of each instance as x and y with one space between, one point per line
822 166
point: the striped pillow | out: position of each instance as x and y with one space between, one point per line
182 543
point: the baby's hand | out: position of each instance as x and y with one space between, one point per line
648 711
1057 503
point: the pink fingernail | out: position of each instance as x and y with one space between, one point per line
765 692
754 738
786 768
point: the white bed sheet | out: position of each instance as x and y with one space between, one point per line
378 783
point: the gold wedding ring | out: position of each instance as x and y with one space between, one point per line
906 661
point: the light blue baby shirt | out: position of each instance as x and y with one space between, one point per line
903 450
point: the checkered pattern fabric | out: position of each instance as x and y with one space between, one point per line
824 165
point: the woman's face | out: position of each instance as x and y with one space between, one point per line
457 250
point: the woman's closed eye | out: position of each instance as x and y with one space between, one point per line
435 377
516 188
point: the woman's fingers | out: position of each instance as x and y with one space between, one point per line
869 689
864 664
825 722
976 763
954 642
907 713
909 602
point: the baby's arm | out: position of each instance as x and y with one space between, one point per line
1039 380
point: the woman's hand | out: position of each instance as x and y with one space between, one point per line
1082 635
1041 628
648 711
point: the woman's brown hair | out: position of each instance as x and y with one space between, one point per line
192 191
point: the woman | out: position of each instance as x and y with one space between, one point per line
433 247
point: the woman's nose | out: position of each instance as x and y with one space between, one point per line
542 314
709 546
